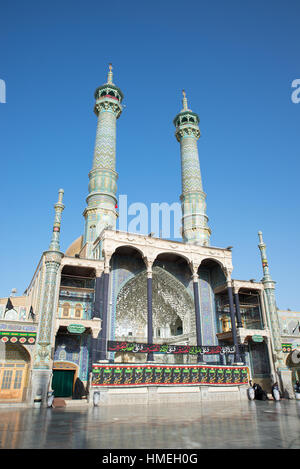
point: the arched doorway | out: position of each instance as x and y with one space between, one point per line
64 377
14 370
172 307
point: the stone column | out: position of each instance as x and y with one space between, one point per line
149 316
103 332
197 314
98 295
232 317
98 308
237 306
239 322
149 264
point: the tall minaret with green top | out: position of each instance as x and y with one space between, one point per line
194 220
101 211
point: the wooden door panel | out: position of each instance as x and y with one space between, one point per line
12 381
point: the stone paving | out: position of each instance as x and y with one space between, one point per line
221 425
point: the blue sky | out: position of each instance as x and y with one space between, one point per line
236 60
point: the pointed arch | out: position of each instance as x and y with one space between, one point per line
173 305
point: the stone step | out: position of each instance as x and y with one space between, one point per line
58 402
76 402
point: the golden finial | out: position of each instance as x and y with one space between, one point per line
110 75
184 101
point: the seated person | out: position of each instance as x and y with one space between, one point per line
260 394
275 386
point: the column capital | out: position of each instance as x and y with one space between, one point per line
227 273
149 261
98 271
194 266
195 276
228 283
107 258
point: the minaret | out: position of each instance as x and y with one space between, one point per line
271 309
42 364
269 286
194 220
101 211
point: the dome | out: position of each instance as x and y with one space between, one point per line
75 247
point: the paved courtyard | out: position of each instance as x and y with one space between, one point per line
175 426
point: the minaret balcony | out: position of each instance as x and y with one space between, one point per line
109 103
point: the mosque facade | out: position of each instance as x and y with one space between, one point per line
118 302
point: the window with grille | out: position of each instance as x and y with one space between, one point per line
18 379
6 380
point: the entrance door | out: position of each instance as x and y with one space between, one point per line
62 383
12 381
14 367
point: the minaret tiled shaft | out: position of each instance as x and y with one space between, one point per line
53 259
282 370
42 362
59 207
194 219
269 287
101 211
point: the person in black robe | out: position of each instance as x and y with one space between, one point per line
79 389
260 394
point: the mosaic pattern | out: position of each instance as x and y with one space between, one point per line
101 201
125 283
17 327
44 336
74 300
183 274
129 297
105 146
170 303
194 219
190 167
123 268
207 312
18 313
74 349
